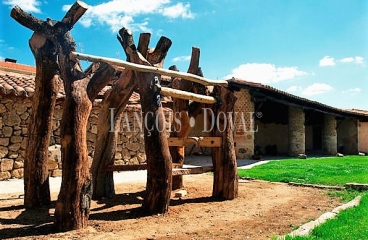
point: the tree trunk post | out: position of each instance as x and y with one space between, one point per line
115 100
225 183
109 119
159 162
47 85
180 111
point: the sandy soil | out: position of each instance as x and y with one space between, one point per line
261 211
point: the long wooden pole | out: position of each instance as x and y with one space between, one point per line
188 95
144 68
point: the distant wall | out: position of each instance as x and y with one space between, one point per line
14 119
272 135
363 136
245 126
347 136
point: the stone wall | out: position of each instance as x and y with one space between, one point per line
296 131
245 125
329 136
309 138
270 135
14 119
363 137
347 136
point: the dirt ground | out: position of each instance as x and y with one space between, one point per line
261 211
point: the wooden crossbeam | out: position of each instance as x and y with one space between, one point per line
131 167
190 171
142 68
199 141
177 169
188 95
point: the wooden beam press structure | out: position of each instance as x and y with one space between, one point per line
225 184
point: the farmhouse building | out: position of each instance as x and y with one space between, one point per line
279 123
267 120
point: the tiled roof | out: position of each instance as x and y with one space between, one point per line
17 68
17 79
285 96
17 84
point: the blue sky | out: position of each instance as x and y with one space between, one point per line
317 49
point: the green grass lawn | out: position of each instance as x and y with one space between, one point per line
327 171
350 224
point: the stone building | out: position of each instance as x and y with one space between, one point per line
278 123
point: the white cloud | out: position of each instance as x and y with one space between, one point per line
316 89
178 10
327 61
353 90
181 58
122 13
265 73
294 89
347 60
26 5
357 60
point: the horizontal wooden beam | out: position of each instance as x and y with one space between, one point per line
142 68
190 171
131 167
188 95
199 141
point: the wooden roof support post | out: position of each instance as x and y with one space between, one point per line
225 183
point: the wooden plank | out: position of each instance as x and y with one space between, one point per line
187 95
131 167
199 141
142 68
190 171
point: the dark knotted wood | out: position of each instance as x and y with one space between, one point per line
159 165
47 85
72 206
182 127
225 183
112 107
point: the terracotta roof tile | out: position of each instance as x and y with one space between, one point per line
15 67
17 84
14 79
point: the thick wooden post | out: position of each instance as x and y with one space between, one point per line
159 165
73 203
72 206
47 85
225 183
111 108
180 111
116 99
